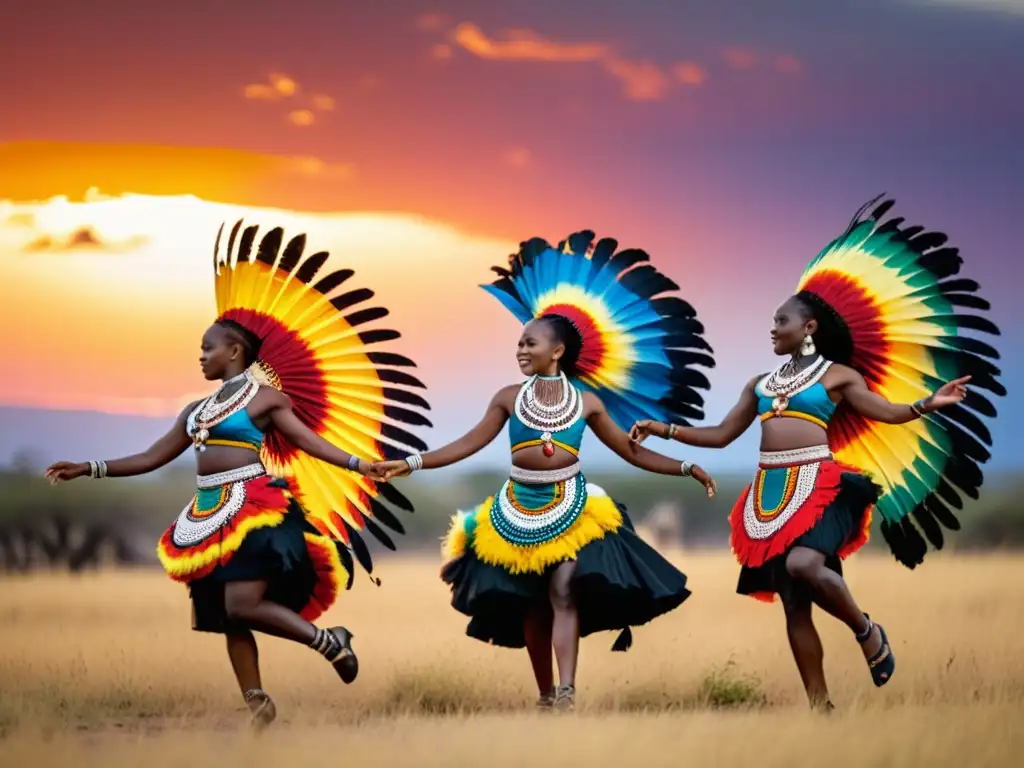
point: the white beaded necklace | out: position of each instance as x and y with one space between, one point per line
546 418
209 413
784 385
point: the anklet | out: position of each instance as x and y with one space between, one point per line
254 693
326 644
862 636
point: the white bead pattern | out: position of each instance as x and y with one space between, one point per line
548 418
237 475
543 476
209 412
189 530
794 456
533 522
807 476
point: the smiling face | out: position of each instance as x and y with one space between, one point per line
538 351
220 353
792 324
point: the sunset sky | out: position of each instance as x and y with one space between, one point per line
420 142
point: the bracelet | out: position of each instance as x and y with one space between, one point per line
415 461
918 408
97 469
671 431
353 463
687 467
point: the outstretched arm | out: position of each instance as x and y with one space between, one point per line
162 452
476 439
608 432
871 405
284 420
733 425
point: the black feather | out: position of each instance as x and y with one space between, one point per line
384 515
378 533
378 335
394 496
603 251
270 246
346 300
645 281
403 396
358 547
363 316
246 243
311 266
406 416
390 358
333 280
399 435
292 253
399 377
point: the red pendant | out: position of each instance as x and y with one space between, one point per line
549 449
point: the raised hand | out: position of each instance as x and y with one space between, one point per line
948 394
63 471
645 427
704 479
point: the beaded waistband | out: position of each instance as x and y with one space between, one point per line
237 475
543 476
795 456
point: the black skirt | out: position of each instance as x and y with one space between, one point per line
619 581
278 555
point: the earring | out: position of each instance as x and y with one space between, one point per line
807 348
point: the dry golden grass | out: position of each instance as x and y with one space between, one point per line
104 670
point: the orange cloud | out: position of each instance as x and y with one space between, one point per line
525 45
278 86
301 117
641 80
83 238
322 103
314 166
739 58
689 73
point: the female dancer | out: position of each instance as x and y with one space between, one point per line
552 558
302 400
872 330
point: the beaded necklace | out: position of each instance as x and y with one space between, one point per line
784 382
548 417
212 412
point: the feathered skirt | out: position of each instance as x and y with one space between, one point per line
498 561
243 525
798 498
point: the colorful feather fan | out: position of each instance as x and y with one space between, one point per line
316 352
640 347
897 290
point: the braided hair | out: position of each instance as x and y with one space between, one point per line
832 339
249 341
567 334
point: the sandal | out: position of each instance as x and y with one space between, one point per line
546 700
264 713
335 645
565 698
883 663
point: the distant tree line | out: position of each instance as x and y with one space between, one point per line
86 524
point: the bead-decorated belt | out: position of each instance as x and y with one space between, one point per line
543 476
794 457
238 475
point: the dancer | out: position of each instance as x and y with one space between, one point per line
284 450
551 558
850 422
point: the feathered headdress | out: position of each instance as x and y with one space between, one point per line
640 346
895 290
315 350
